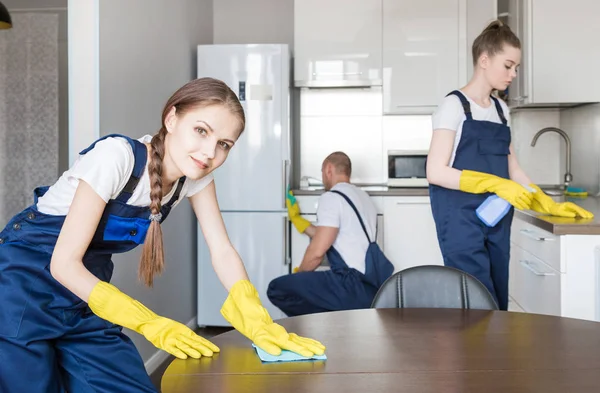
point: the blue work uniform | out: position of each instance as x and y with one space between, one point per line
50 340
465 241
341 288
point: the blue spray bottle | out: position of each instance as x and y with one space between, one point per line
494 208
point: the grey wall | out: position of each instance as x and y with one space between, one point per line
583 126
145 55
253 22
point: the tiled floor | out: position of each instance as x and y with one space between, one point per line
207 332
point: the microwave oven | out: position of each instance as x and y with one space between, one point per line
406 168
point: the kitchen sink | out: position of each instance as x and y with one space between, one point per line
553 190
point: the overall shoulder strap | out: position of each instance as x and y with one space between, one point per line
175 196
90 147
499 109
140 156
465 103
362 224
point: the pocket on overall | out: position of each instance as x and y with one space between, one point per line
126 229
20 268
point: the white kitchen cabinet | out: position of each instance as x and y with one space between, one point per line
554 275
337 43
557 64
420 53
410 237
536 285
427 50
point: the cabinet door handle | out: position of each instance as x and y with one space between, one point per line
284 177
286 241
336 73
531 267
531 234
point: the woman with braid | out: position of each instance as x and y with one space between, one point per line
60 319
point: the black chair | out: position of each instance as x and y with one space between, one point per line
433 286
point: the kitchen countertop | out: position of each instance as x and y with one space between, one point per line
373 190
563 225
555 225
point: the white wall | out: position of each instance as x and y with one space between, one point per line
351 120
147 51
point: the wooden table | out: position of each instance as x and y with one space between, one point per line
409 350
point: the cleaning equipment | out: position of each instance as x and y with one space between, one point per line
576 192
478 183
110 304
494 208
542 203
286 356
244 311
294 212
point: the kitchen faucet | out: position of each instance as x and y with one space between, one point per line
568 175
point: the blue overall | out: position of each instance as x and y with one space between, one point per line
466 242
50 341
341 288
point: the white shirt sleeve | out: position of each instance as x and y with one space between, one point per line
106 168
449 114
198 185
329 210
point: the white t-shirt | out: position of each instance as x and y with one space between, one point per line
334 211
450 115
107 168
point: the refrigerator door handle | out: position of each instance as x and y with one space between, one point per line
285 180
286 241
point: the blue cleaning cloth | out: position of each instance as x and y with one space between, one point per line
286 356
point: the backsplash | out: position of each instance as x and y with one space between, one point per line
351 120
582 124
544 163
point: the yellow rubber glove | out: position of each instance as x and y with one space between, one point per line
511 191
244 311
295 270
542 203
109 303
294 213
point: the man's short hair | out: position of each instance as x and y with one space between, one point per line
341 162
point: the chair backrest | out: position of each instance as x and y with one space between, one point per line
433 286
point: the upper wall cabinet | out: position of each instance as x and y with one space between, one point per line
560 52
337 43
420 53
426 50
